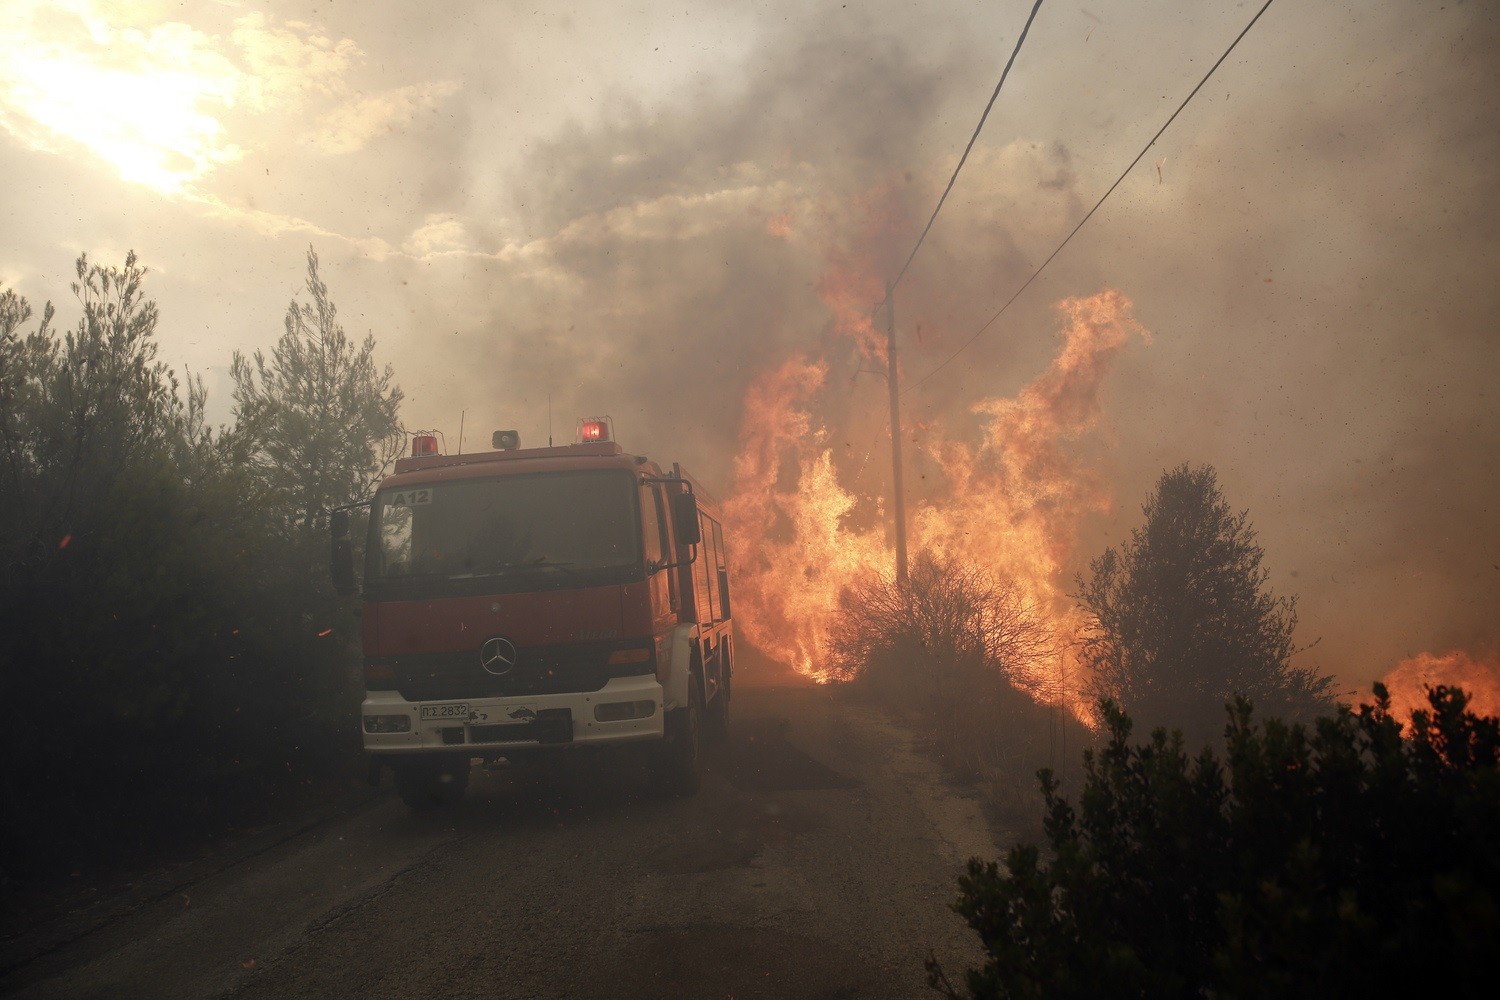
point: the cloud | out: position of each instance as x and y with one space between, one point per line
144 100
272 224
352 125
675 218
289 63
439 233
167 103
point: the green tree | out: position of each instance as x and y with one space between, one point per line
321 414
108 595
1349 860
152 617
78 412
1181 619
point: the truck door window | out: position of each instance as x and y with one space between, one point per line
701 571
711 559
722 565
654 532
390 551
651 525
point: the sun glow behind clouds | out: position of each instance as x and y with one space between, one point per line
164 102
144 100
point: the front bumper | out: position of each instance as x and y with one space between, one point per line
493 725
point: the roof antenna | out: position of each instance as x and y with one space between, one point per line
549 418
461 430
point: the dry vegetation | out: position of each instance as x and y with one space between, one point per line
940 654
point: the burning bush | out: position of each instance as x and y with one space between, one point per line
950 617
943 652
1345 861
1013 500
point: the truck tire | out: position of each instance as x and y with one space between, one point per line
675 769
429 783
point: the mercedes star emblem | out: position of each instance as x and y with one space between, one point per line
497 656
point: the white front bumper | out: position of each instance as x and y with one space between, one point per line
495 724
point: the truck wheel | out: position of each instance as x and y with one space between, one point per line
675 768
425 784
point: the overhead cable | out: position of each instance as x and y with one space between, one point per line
1004 73
990 322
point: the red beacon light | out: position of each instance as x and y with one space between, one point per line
424 444
593 430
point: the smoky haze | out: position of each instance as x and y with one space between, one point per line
635 213
1308 246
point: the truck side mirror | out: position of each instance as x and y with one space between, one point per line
685 518
341 555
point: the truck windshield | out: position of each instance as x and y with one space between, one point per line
509 533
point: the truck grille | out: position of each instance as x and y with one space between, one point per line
539 670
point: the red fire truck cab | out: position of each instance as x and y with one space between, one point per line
525 601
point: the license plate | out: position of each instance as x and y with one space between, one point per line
456 713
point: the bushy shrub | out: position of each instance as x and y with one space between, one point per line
1349 860
172 651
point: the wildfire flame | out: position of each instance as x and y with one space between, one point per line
1478 676
1011 502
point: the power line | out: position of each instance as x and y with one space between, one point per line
972 138
1034 274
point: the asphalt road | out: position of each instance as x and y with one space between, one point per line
817 861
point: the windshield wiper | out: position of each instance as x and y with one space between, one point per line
540 562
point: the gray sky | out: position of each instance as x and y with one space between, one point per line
638 211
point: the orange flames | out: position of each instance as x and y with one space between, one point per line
1011 502
850 289
1480 677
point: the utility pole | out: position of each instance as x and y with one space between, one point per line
896 487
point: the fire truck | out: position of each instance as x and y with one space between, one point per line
523 602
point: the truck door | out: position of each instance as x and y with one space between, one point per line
713 624
654 533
